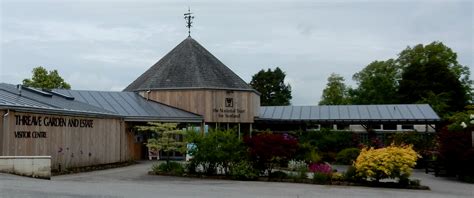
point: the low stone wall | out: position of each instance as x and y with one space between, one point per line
31 166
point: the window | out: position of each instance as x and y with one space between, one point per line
408 127
313 127
342 127
390 127
375 126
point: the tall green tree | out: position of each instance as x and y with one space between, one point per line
377 83
432 74
46 80
336 91
271 84
165 137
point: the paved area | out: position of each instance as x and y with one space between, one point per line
134 182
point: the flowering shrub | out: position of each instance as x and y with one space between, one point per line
296 165
389 162
320 168
269 150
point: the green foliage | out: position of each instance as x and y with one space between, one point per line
243 170
321 178
432 74
46 80
173 168
328 140
278 175
422 142
458 118
217 148
347 156
351 174
272 87
336 91
307 153
165 137
377 83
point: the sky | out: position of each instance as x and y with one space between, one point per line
106 44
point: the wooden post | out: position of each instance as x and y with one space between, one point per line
239 130
250 130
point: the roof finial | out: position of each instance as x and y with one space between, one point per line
188 17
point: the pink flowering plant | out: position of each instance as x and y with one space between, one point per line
320 168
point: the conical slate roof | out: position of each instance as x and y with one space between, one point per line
188 66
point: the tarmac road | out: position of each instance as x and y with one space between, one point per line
133 181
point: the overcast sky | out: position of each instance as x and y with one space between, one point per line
105 45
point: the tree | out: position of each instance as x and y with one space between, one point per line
377 83
272 87
336 92
165 137
432 74
268 150
46 80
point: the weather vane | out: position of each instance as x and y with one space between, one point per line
189 20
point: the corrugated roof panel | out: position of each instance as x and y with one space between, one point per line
305 113
296 114
415 111
324 113
278 112
428 111
384 111
406 114
343 112
363 112
287 110
315 113
353 112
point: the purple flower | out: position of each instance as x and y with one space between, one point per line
320 168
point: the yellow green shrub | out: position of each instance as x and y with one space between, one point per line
389 162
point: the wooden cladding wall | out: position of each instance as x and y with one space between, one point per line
215 105
103 142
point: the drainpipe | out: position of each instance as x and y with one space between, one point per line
4 130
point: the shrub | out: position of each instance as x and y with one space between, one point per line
278 175
347 156
321 178
328 140
351 174
296 165
467 164
268 150
307 152
337 177
173 168
320 168
452 145
217 148
243 170
389 162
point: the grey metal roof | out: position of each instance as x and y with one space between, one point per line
413 113
40 100
127 105
188 66
131 106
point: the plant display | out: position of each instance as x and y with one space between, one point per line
328 140
173 168
347 156
269 150
320 168
389 162
243 170
216 149
295 165
165 137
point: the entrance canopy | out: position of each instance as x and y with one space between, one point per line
350 114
